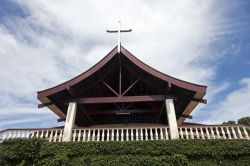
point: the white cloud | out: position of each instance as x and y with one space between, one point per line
235 106
57 40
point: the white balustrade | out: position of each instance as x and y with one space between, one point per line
131 134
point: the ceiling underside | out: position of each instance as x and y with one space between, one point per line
120 78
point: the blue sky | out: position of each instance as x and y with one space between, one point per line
44 43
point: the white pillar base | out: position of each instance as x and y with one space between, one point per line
69 123
172 123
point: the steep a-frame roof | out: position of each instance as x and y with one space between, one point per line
198 90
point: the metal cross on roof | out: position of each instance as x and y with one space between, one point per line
118 31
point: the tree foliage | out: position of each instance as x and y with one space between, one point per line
244 120
229 122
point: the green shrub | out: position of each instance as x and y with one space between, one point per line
171 152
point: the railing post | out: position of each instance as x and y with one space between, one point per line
74 135
103 134
98 135
46 135
212 132
207 133
88 137
239 132
228 133
132 134
186 133
191 133
245 133
117 135
166 133
217 132
141 135
108 135
151 134
234 134
41 136
112 135
136 135
55 136
60 136
127 135
146 134
93 136
4 135
223 133
70 121
181 133
79 135
197 133
122 135
84 135
156 134
202 134
51 135
161 134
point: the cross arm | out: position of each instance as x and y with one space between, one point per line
115 31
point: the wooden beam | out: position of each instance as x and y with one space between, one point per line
204 101
123 111
187 116
143 79
162 108
122 99
73 94
110 88
120 80
131 86
61 120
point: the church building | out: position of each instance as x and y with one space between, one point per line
123 99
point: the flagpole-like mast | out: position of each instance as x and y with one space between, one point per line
118 31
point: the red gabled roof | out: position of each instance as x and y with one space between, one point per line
199 90
136 61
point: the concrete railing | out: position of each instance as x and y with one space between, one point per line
214 132
132 133
52 135
121 134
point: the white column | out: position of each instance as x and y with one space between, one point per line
172 123
70 121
